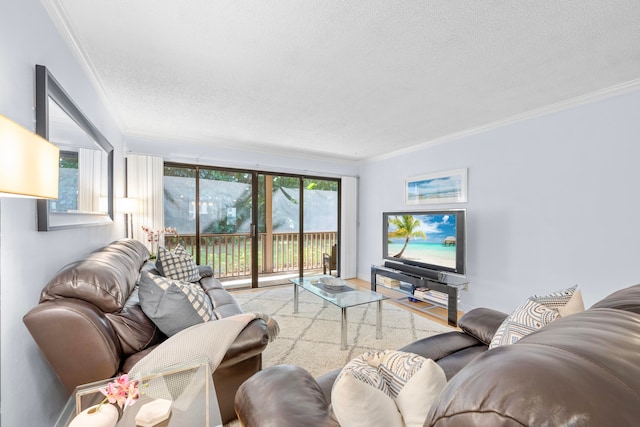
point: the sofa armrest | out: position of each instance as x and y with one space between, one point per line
76 339
283 396
250 342
205 271
224 304
482 323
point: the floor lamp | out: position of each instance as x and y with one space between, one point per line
129 206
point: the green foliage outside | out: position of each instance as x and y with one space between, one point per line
243 203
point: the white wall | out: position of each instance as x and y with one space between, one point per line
268 161
31 394
553 202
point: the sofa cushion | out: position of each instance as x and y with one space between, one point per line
627 299
177 264
578 371
173 305
205 271
134 329
482 323
401 385
104 278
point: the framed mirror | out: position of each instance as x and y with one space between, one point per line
85 195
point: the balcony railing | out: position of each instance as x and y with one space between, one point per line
230 254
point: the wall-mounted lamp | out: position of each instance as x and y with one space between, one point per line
128 206
29 164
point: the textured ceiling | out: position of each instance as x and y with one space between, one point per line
348 79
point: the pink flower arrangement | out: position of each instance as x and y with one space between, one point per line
121 392
153 236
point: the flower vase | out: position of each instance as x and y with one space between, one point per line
96 416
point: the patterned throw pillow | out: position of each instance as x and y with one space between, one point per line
178 265
173 305
527 318
390 388
535 313
566 301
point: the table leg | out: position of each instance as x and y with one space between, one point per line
295 299
343 340
379 321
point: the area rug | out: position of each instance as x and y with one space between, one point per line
311 338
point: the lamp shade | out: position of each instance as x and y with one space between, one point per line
128 205
29 164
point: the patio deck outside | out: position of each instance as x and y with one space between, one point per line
230 254
220 205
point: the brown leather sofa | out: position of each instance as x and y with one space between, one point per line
580 370
90 326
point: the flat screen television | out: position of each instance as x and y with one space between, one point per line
433 239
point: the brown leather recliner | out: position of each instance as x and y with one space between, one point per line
580 370
302 400
90 326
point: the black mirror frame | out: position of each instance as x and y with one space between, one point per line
47 87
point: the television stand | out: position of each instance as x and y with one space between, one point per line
449 285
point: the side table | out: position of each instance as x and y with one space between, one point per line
189 387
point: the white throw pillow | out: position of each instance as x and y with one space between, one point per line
575 305
419 393
386 388
360 397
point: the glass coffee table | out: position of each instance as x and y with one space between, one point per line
348 296
189 387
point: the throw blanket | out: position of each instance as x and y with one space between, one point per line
209 339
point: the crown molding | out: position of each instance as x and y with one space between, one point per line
212 141
60 19
568 104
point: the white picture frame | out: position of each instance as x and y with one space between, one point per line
437 188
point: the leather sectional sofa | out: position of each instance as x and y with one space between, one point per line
579 370
90 326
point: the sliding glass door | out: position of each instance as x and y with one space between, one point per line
280 228
247 224
321 225
226 222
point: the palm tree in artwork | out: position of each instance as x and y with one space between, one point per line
407 227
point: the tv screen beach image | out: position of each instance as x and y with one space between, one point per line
426 239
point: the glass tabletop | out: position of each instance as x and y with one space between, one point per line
189 387
348 296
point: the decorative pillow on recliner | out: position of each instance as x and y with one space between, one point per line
535 313
525 319
566 301
173 305
390 388
178 265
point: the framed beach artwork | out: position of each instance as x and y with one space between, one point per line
440 187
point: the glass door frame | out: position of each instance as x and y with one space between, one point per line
255 214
